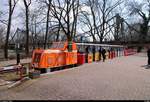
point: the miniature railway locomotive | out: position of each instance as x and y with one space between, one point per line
56 56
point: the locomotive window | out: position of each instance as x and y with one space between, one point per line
37 57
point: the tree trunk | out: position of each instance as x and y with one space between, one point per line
69 43
144 31
101 39
27 32
57 38
47 25
8 29
7 36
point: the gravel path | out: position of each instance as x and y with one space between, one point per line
123 78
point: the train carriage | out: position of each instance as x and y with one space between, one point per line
93 51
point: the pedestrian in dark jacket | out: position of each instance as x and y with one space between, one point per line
148 55
103 54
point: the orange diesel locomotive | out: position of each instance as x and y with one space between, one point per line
57 56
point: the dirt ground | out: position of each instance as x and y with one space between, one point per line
13 62
122 78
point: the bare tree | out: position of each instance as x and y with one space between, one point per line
36 21
143 11
2 33
85 19
48 5
106 9
47 16
66 13
33 28
101 12
1 20
27 4
12 5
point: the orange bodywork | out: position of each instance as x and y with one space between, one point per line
56 56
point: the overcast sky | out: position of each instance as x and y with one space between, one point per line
16 21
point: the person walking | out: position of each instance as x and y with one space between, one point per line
103 54
148 55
